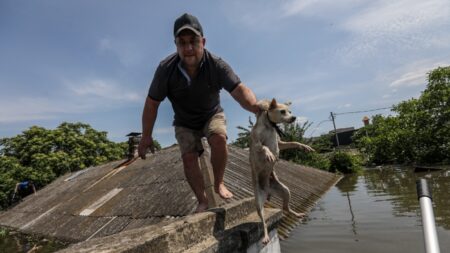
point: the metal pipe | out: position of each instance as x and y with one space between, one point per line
426 208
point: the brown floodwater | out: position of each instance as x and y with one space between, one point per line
375 211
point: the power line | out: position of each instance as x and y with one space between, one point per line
318 126
342 113
377 109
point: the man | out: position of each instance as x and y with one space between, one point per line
192 79
24 189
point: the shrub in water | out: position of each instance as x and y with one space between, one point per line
344 162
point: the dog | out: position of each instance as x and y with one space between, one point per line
265 145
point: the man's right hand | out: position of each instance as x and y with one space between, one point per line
145 144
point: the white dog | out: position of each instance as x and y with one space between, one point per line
264 150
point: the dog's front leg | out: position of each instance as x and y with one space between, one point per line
257 144
282 145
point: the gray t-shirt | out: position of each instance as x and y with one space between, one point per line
193 101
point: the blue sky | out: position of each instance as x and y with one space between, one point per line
92 61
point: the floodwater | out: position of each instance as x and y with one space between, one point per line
13 242
375 211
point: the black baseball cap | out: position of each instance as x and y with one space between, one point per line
187 21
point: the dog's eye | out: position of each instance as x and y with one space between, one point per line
283 111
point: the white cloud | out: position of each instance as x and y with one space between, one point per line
348 105
413 74
80 97
30 108
411 79
306 100
104 89
393 26
388 17
128 52
322 8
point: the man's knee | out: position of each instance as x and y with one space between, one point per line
217 141
190 160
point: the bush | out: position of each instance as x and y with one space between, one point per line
41 155
345 162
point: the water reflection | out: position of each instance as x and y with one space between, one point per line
400 184
375 211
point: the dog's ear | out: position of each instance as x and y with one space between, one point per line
273 104
288 103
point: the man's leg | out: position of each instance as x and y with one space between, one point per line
219 155
195 179
190 145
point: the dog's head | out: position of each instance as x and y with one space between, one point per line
278 113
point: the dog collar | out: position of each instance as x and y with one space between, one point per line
274 125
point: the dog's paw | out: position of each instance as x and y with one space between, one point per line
266 239
269 155
298 215
305 147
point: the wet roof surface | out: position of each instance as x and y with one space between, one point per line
111 198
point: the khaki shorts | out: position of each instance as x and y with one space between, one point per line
189 140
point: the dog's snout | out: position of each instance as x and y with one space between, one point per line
293 118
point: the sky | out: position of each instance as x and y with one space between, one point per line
92 61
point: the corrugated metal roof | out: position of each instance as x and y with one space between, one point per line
109 198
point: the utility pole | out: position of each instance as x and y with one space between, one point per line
335 132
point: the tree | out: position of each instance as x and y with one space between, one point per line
243 140
420 132
41 155
295 132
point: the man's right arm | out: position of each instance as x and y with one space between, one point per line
148 121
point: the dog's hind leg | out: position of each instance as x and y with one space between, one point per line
283 191
260 198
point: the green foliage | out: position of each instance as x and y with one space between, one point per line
243 140
345 162
420 131
41 155
155 144
3 233
295 132
323 143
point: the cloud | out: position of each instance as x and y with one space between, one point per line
128 52
348 105
393 26
414 74
104 89
78 97
411 79
389 17
306 100
30 108
321 8
367 28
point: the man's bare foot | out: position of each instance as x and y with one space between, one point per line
201 207
223 191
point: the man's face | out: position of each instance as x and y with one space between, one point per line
190 48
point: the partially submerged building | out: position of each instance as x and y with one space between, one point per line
146 206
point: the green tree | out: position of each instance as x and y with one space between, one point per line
243 140
295 132
41 155
420 130
323 143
